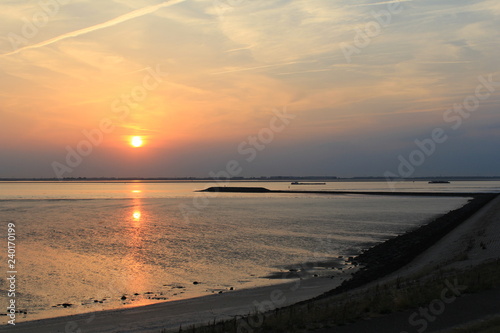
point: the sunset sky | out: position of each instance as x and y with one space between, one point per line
282 87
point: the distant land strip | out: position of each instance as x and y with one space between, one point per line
233 189
247 179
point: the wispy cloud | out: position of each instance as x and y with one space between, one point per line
309 71
120 19
261 67
444 62
239 49
379 3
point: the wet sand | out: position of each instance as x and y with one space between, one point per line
172 315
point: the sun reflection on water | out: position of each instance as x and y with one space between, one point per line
138 277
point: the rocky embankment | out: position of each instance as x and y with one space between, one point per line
395 253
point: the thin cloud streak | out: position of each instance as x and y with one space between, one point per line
444 62
310 71
137 71
379 3
392 113
239 49
261 67
107 24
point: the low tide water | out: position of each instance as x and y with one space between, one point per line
83 247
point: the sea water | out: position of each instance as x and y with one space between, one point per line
82 247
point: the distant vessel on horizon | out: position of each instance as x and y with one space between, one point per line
439 182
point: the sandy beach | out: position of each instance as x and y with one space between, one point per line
478 230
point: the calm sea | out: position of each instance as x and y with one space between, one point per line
110 245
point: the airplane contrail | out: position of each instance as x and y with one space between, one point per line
107 24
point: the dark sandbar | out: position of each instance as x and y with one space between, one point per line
233 189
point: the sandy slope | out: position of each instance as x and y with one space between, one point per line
479 239
481 229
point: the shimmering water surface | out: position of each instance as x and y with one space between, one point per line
90 244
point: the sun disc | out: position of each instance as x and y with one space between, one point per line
137 141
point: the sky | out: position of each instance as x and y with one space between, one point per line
249 88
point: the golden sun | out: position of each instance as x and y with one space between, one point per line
136 141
